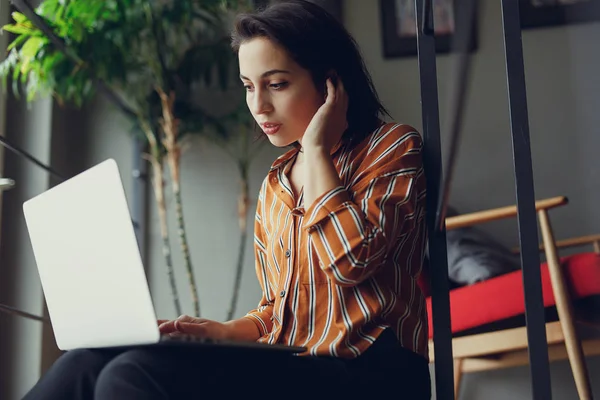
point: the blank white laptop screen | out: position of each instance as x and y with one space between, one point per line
91 269
89 262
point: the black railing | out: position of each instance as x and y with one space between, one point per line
528 234
439 185
438 258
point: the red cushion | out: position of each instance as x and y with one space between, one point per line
502 297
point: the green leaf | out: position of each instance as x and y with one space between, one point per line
24 70
18 17
116 41
31 47
17 42
18 29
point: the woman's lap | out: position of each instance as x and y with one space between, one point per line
197 373
163 373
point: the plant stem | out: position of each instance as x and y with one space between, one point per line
243 205
170 131
185 248
158 184
159 193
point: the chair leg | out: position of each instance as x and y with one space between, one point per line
458 362
564 307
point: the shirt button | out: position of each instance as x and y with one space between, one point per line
288 253
282 293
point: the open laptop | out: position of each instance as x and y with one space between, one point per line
91 269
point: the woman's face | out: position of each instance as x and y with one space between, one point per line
280 94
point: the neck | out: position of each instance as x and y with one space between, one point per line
300 156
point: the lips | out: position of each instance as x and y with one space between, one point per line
270 128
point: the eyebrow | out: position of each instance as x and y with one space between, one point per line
268 73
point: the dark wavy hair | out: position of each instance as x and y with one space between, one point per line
320 44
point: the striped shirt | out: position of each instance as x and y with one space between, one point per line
334 276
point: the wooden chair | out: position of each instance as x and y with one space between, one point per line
487 336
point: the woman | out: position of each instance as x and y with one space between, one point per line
339 240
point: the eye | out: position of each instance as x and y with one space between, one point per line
248 88
278 86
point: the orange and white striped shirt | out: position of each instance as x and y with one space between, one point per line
336 275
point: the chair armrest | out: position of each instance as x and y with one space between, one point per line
480 217
573 242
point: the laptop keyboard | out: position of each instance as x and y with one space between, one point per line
186 338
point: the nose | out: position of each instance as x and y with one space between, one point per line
260 103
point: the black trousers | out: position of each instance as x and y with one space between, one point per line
186 373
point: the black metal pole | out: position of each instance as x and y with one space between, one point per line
459 84
61 178
6 143
442 334
14 311
528 234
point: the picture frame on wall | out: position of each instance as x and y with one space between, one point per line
548 13
399 30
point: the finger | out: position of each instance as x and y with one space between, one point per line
340 87
331 95
194 320
161 321
341 93
190 328
167 327
170 326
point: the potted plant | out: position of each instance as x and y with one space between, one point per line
148 58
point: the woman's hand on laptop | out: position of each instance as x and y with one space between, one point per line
186 325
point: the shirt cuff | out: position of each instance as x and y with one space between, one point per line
264 325
325 205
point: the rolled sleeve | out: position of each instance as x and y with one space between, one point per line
262 317
351 234
325 206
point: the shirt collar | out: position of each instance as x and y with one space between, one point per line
284 158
